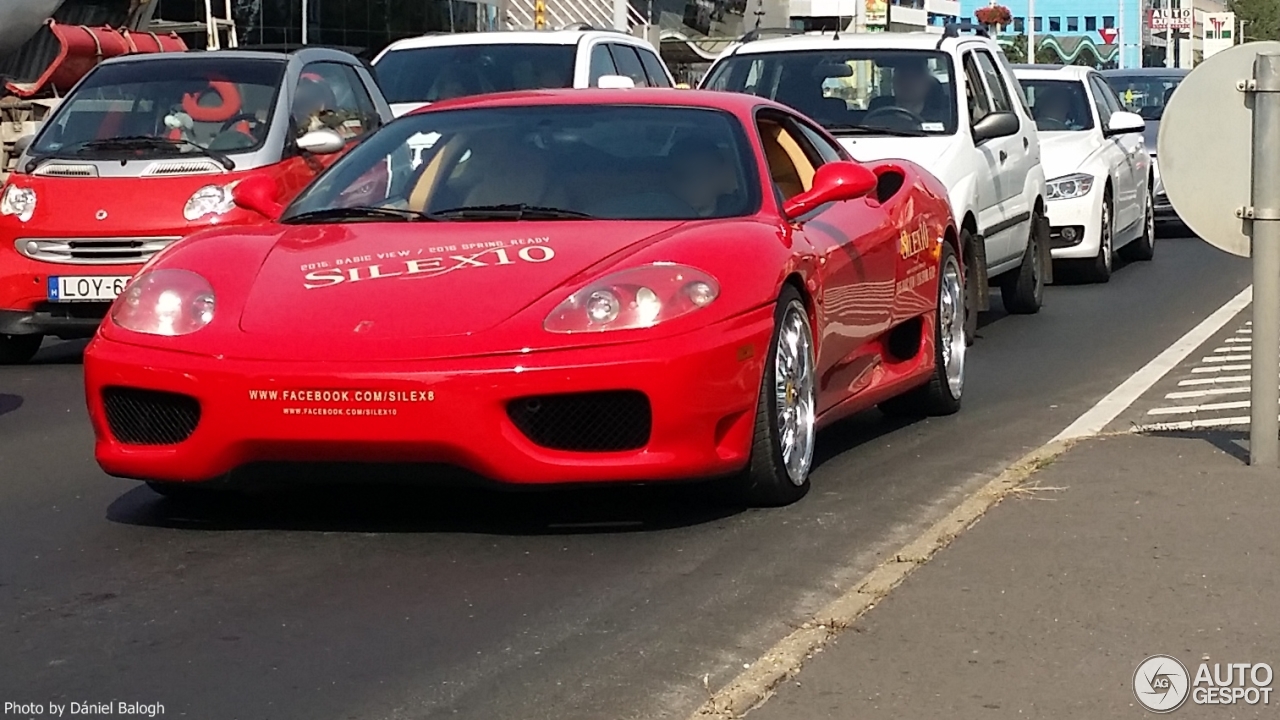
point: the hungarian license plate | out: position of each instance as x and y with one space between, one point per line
87 288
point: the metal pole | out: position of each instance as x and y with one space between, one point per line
1168 33
1120 32
1031 31
1264 428
304 21
620 19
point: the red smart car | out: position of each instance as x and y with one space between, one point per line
568 286
146 150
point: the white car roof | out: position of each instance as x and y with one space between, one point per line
511 37
855 41
1051 72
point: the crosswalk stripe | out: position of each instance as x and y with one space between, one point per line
1208 407
1225 358
1213 380
1220 368
1205 393
1193 424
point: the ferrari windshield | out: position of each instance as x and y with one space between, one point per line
860 91
1145 94
166 106
572 161
1058 105
431 74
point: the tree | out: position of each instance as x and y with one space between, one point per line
1016 51
1260 18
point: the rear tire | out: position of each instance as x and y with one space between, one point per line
1144 248
782 454
1023 290
19 349
972 287
942 394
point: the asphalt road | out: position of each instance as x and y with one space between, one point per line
604 605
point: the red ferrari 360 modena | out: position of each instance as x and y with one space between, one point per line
565 287
145 151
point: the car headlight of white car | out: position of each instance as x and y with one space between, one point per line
19 202
209 200
1069 186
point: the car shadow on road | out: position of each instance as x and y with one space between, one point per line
380 501
9 403
61 352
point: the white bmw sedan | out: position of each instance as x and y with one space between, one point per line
1098 168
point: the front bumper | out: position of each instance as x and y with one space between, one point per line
1083 215
701 389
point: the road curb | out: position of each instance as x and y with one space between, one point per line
756 684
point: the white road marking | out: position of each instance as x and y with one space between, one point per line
1192 424
1227 349
1238 340
1220 368
1210 381
1225 358
1118 400
1184 409
1245 331
1187 394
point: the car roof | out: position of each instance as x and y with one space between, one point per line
509 37
738 103
1051 72
307 55
1151 71
826 41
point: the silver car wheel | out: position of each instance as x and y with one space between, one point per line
795 392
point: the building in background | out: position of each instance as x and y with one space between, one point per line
358 24
873 15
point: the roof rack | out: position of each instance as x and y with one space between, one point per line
588 26
953 29
759 33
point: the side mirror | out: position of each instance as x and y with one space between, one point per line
260 194
321 142
21 144
1123 123
615 82
835 181
996 125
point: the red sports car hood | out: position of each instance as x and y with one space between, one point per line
417 280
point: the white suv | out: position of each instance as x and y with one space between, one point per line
949 102
419 71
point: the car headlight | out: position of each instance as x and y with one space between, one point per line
165 302
209 200
636 298
18 201
1069 186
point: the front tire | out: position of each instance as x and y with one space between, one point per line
19 349
786 411
1098 270
1023 290
942 394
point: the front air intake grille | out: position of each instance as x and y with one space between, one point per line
585 422
93 251
150 417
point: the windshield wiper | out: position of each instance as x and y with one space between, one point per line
362 212
513 211
837 129
142 142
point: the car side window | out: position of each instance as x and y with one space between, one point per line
364 101
1108 94
1000 98
654 68
791 166
327 98
601 63
1100 102
628 63
979 103
828 151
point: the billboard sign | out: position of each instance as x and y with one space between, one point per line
1180 19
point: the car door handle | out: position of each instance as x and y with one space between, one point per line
1003 156
1025 143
